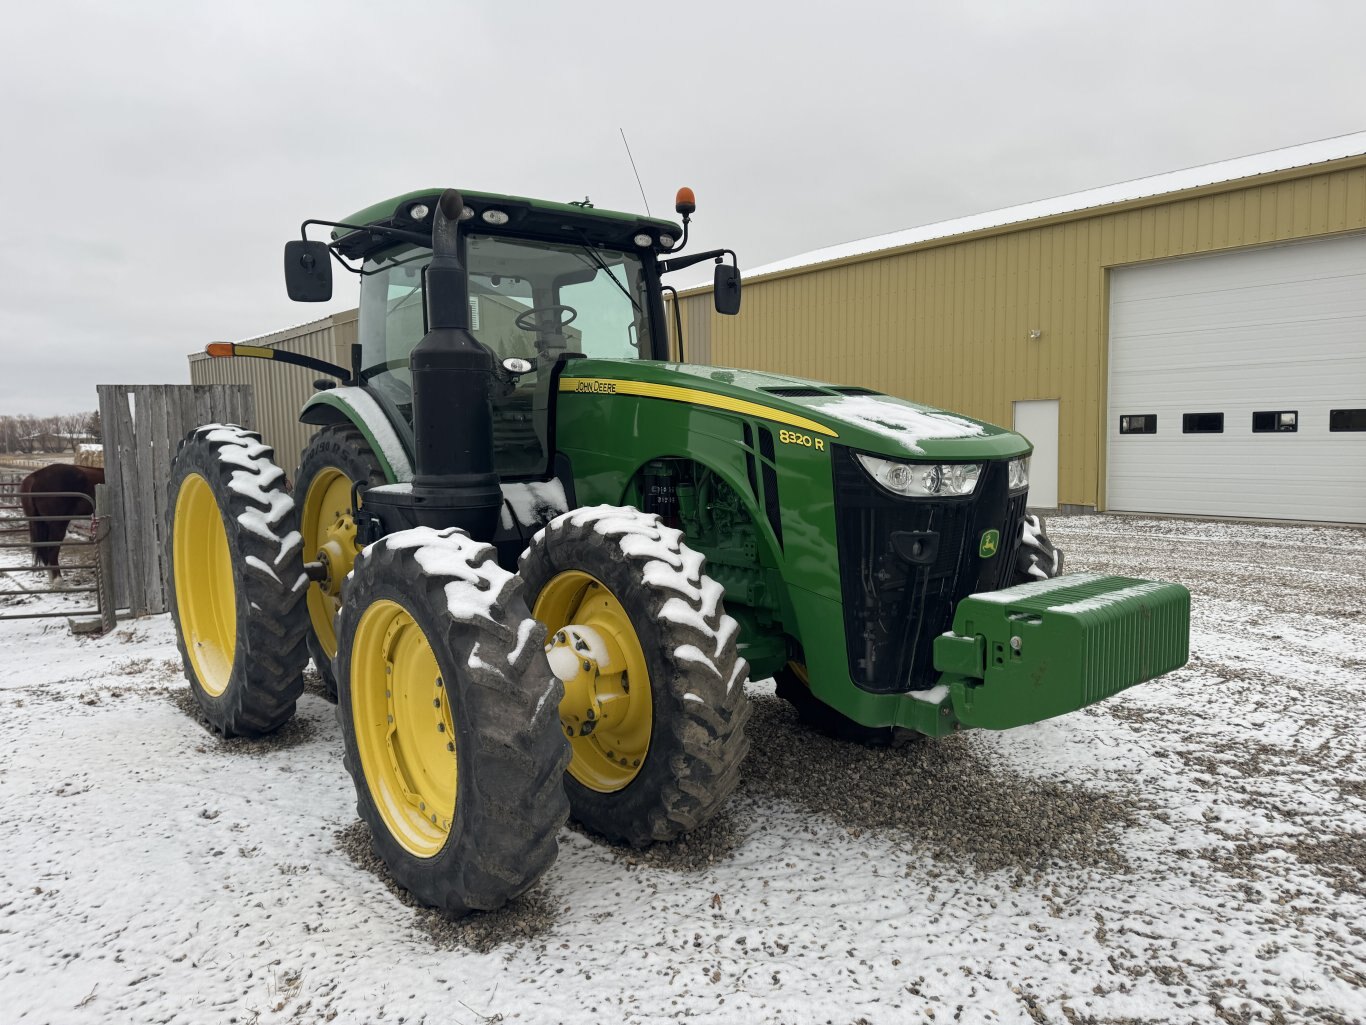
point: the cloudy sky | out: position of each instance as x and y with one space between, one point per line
157 155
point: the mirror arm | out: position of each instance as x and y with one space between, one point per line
666 266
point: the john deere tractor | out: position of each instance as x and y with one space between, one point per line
537 560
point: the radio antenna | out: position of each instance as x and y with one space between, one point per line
633 168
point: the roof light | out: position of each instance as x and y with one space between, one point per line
685 203
466 213
667 241
496 217
418 211
644 241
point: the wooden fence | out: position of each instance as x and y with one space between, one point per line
143 424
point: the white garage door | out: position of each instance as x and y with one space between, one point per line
1238 384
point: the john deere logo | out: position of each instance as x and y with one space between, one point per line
991 540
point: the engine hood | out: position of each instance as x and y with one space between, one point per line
856 417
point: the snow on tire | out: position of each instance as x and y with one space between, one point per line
697 702
237 580
1036 558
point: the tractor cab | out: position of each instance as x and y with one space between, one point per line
544 283
533 304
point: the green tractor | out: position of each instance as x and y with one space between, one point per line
536 560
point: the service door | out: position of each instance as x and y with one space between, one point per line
1037 420
1238 384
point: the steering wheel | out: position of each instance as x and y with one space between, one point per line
527 320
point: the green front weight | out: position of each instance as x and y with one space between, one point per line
1052 646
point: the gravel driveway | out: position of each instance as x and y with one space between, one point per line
1191 851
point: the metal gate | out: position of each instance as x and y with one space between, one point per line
93 529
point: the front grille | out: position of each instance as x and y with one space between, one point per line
895 608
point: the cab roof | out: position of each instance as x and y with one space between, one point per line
525 216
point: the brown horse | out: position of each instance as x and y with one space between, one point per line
37 502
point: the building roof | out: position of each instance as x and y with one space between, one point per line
1303 155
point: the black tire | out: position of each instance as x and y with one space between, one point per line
1036 558
343 448
697 735
817 715
267 577
510 756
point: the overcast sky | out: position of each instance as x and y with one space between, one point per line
157 155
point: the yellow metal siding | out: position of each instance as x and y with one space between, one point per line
947 322
280 389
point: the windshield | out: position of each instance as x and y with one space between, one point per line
535 300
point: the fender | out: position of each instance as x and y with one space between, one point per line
356 406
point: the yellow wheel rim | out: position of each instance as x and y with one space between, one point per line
206 596
330 537
607 711
401 710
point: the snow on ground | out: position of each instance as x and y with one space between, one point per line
1189 851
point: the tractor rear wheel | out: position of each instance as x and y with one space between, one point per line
336 458
237 580
655 704
448 715
1036 558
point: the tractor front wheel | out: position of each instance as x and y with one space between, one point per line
237 580
655 704
1036 558
448 715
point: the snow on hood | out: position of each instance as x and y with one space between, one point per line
899 422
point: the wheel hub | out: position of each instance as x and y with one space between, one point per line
597 685
607 711
337 554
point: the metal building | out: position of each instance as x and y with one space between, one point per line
1194 342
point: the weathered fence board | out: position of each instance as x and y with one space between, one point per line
143 425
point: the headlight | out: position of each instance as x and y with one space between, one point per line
922 479
1019 473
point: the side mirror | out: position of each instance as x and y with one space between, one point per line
308 271
726 289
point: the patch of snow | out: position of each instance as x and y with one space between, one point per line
933 696
1038 587
693 697
898 421
406 488
523 635
256 563
450 553
563 662
692 653
737 675
550 689
533 503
